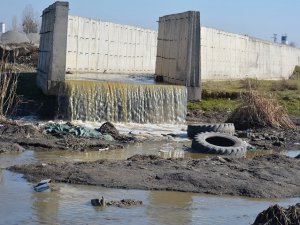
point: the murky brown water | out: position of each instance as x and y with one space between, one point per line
70 204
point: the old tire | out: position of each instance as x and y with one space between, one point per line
194 129
218 143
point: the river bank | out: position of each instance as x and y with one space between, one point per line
269 176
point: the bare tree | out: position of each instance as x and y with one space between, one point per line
14 23
30 22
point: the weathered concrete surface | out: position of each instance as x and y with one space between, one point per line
231 56
75 44
178 51
53 42
95 46
270 176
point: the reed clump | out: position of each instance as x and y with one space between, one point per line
257 110
8 86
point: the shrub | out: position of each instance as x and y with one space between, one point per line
257 110
249 83
8 86
284 85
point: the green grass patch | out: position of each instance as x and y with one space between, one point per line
214 104
224 95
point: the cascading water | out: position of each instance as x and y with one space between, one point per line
124 102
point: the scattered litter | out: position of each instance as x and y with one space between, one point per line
98 202
42 185
68 128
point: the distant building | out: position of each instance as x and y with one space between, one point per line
284 40
2 27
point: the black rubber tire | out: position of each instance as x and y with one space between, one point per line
194 129
218 143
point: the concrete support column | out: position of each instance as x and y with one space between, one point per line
53 47
178 51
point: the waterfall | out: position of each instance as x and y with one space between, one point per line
124 102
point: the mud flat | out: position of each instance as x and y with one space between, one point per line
269 176
35 138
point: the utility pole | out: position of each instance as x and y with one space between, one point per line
275 38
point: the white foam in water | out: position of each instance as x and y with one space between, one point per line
178 131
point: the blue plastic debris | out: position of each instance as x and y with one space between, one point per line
42 185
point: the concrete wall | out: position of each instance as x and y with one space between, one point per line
178 52
52 50
95 46
77 45
232 56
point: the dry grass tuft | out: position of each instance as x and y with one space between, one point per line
250 83
258 111
8 87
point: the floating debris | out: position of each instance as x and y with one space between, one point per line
42 185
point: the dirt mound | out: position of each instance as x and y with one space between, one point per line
6 147
273 176
25 131
201 116
14 37
276 215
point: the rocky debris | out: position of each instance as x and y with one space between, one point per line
270 138
109 128
276 215
6 147
267 176
124 203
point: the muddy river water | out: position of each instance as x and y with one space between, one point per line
70 204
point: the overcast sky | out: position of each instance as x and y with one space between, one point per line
259 18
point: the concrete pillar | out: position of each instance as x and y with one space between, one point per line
178 51
53 47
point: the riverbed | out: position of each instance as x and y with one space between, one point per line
68 203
